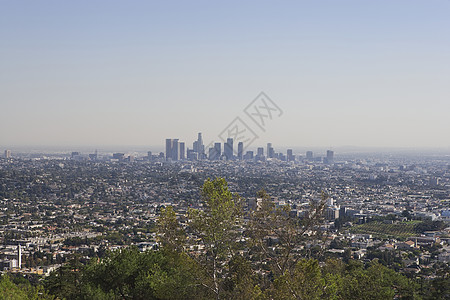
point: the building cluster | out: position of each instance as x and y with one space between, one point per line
176 150
56 206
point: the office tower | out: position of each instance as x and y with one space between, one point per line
228 149
200 142
200 147
175 150
74 154
330 156
289 155
269 147
270 151
240 150
215 152
149 155
248 155
191 154
195 146
212 154
168 149
218 148
260 152
7 154
309 155
182 151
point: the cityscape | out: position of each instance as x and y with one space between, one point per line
389 207
224 150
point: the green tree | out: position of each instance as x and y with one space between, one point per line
304 282
10 291
375 282
216 227
65 282
130 274
276 237
171 235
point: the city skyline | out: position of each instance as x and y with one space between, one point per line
349 73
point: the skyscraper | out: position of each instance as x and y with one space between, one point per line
270 151
199 147
228 149
182 150
7 154
175 150
214 153
309 155
289 155
172 149
260 152
240 150
168 149
330 156
218 150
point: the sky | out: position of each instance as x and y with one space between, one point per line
343 73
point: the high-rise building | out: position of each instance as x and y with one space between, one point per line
228 149
200 141
182 150
269 146
240 150
195 146
191 154
289 155
248 155
212 153
260 152
175 150
330 156
172 150
218 148
215 152
168 149
7 154
199 147
309 155
270 150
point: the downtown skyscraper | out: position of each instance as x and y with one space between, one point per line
173 150
228 149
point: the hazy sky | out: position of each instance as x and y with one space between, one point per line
102 73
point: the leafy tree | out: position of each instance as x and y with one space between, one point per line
130 274
276 237
375 282
216 228
12 291
65 282
9 291
304 282
171 236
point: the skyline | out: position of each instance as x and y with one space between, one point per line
104 74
